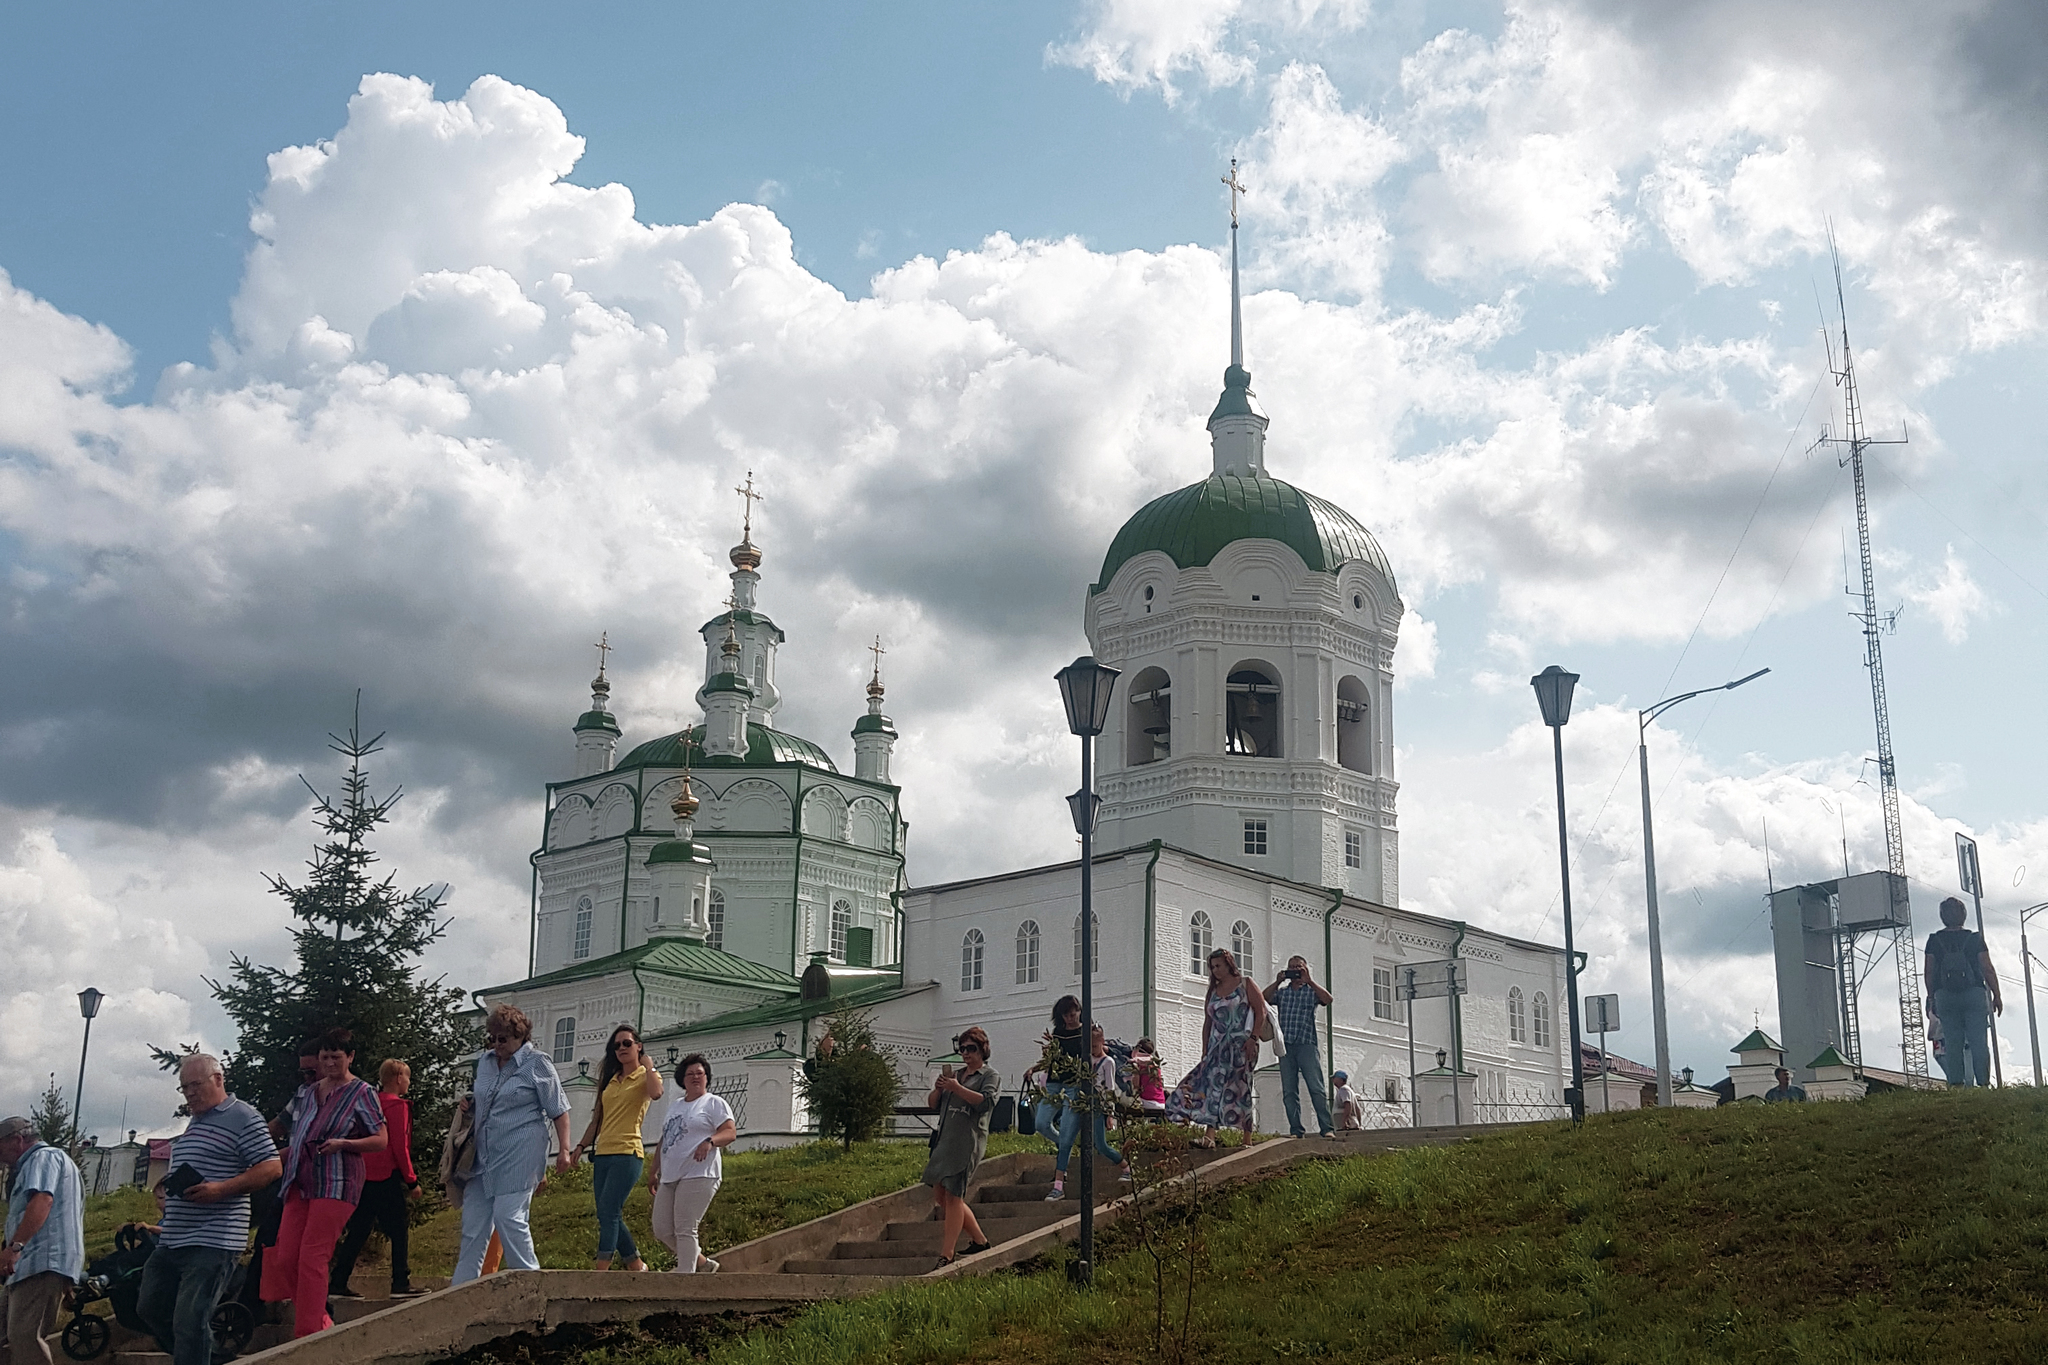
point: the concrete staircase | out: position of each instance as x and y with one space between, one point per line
1012 1205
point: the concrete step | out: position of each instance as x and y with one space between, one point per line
137 1357
903 1265
1025 1219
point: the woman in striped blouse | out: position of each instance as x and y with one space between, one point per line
335 1120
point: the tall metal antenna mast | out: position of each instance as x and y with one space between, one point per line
1876 625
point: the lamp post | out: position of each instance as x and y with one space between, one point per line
88 1005
1554 696
1643 719
2027 966
1086 687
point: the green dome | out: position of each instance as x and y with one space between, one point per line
873 725
677 851
1192 525
765 747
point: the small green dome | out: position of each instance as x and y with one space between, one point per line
596 720
1192 525
728 682
765 747
873 725
677 851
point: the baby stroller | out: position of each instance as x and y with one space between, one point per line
118 1279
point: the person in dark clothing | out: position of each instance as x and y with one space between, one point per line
389 1181
1960 984
1785 1092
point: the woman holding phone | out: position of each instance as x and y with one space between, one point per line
965 1099
626 1085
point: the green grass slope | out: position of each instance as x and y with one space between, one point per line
1905 1228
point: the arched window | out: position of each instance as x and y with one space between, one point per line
1095 957
1540 1011
584 914
1241 946
1251 712
1518 1025
1027 952
1149 731
842 920
970 961
717 914
1354 732
565 1040
1201 938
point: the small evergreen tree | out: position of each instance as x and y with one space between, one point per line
358 941
52 1116
852 1093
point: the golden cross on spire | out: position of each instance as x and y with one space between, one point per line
750 497
1235 190
603 648
877 650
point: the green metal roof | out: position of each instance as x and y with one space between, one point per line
597 720
872 724
744 618
1830 1057
670 957
793 1010
728 682
1757 1041
677 851
765 748
1192 525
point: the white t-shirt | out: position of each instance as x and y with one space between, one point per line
1344 1095
689 1122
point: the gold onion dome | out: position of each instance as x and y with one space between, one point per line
746 555
686 803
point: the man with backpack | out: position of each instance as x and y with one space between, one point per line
1959 980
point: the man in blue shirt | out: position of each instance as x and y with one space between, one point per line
44 1254
1294 995
206 1225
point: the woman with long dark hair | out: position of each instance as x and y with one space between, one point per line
687 1168
626 1085
1218 1092
335 1120
1066 1067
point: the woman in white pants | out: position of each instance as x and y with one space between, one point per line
687 1168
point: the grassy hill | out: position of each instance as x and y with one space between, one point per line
1906 1228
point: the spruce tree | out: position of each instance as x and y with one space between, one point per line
52 1116
358 942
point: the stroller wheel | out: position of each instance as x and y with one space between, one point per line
233 1325
85 1336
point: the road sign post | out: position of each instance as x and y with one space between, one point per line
1603 1016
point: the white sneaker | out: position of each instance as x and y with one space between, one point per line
710 1267
1057 1194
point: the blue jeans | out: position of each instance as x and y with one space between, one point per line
612 1178
1070 1133
1058 1122
181 1286
1965 1026
1302 1062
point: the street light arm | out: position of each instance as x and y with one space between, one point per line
1644 717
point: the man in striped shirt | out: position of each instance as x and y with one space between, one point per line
206 1226
45 1250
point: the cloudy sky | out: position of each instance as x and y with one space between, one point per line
408 350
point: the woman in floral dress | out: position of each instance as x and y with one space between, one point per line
1218 1092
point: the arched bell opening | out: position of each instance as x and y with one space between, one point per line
1354 728
1148 735
1251 720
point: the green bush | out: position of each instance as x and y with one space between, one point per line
852 1091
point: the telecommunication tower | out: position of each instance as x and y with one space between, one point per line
1860 942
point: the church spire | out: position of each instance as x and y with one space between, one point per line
874 738
1237 429
597 732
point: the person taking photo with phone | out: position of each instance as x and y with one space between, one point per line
1295 995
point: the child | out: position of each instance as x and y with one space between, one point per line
1350 1109
1149 1080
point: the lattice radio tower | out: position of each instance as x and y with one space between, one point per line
1853 962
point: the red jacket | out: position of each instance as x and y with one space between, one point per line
397 1154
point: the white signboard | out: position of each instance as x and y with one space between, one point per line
1966 865
1603 1014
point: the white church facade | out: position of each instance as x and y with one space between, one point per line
726 888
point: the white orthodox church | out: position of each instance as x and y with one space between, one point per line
727 887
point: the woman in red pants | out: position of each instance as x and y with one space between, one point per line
335 1120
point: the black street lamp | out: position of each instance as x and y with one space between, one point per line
88 1005
1086 687
1554 695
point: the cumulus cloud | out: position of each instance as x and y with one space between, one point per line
1953 598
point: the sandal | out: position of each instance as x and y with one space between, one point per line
976 1248
944 1261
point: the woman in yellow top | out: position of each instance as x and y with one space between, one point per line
626 1085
